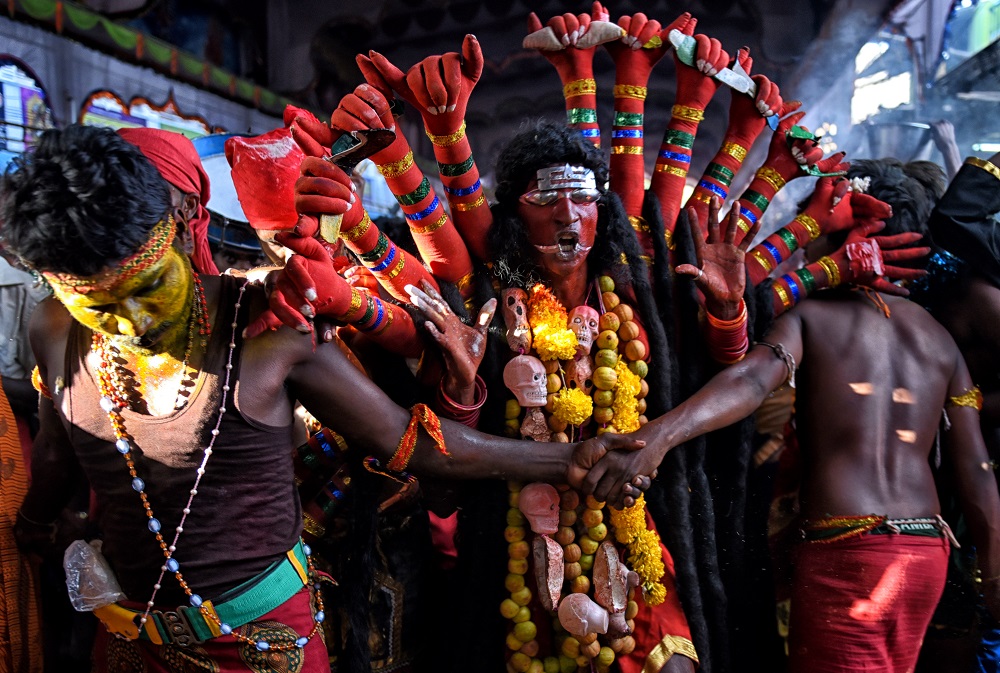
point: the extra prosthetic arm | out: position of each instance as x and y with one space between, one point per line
695 88
439 87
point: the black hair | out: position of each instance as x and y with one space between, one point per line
82 201
537 146
912 189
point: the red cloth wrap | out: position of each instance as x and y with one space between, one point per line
178 162
654 623
265 169
864 603
223 654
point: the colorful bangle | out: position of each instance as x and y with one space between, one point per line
714 188
626 149
355 305
580 87
782 294
396 168
590 133
672 170
807 279
430 228
793 287
449 139
773 251
720 173
463 191
375 254
702 197
679 138
688 114
420 414
425 212
972 398
454 170
788 238
771 177
626 133
679 157
39 384
358 230
417 195
581 115
756 199
734 150
369 310
630 91
385 263
831 270
811 225
472 205
626 118
767 264
396 269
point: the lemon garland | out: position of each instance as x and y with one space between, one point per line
616 405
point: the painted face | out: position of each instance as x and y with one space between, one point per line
560 217
147 313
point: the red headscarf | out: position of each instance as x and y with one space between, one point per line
178 162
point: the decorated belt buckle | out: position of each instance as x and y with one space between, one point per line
178 627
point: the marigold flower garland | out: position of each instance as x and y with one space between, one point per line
617 404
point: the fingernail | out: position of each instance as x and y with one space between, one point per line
328 335
442 108
451 108
574 36
354 187
304 328
408 288
352 198
306 310
701 64
311 294
432 109
565 40
245 332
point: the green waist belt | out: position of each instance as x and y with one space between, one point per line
236 607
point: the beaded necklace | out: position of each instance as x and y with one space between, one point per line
112 402
616 404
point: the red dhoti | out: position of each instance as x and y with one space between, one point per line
863 603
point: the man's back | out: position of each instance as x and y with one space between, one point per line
871 391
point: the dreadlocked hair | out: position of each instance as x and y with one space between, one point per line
82 201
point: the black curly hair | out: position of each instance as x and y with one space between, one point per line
82 201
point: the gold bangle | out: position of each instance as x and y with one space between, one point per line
449 139
739 321
672 170
312 526
465 207
358 230
397 168
356 301
744 225
782 294
580 87
638 223
737 152
985 165
771 177
630 91
811 225
702 196
688 114
430 228
626 149
763 260
831 270
668 236
972 398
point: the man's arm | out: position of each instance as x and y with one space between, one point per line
731 395
975 484
341 397
55 471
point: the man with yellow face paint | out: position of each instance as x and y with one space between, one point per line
184 429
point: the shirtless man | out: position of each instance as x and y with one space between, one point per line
198 507
871 379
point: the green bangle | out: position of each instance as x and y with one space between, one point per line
581 115
720 173
757 199
807 278
375 254
417 195
789 239
679 138
628 119
454 170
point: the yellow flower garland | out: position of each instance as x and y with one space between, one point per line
644 556
625 405
572 406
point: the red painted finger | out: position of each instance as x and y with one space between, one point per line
472 58
378 101
393 76
267 321
372 75
451 73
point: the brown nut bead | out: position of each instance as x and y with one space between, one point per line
572 571
635 349
557 425
569 500
590 650
609 321
551 366
628 331
560 437
624 312
572 553
610 300
567 517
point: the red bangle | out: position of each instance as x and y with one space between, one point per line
727 339
465 414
